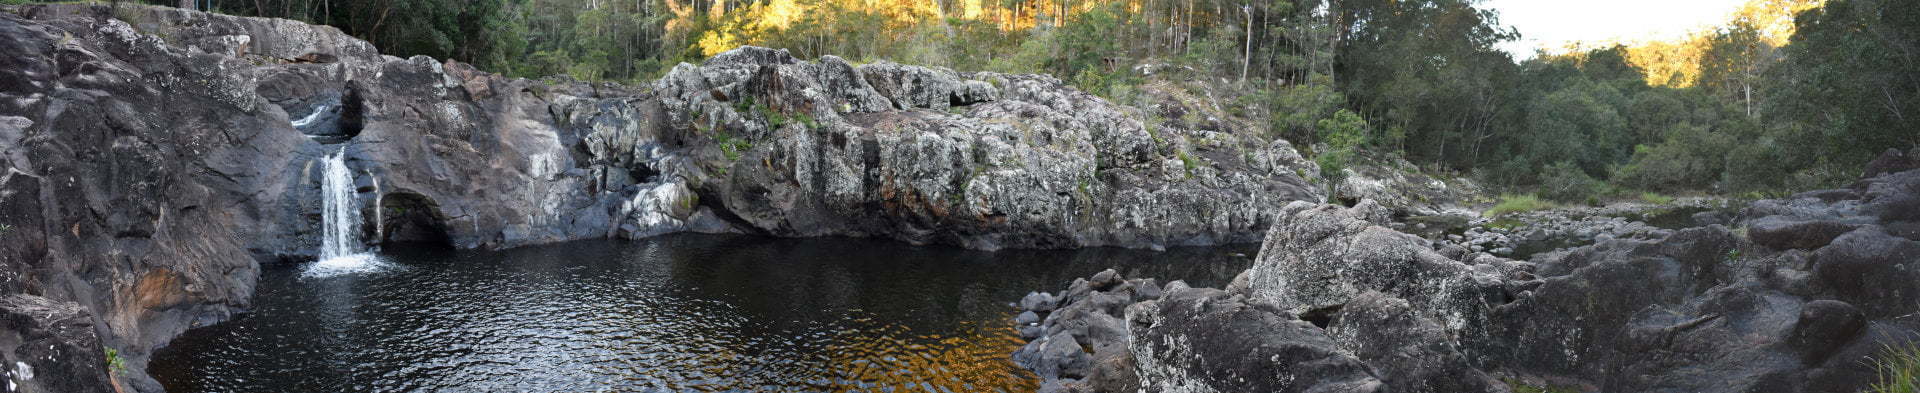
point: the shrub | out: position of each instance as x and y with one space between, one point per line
114 362
1566 182
1343 134
1092 82
1691 158
1510 204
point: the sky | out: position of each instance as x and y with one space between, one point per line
1553 23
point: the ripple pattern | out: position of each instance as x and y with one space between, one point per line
682 313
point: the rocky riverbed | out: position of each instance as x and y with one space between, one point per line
1798 294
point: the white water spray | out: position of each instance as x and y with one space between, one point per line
340 212
341 250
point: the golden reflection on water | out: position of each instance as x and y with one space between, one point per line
978 360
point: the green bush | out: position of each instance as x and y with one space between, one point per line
114 362
1510 203
1344 130
1343 134
1296 109
1691 158
1565 182
1090 81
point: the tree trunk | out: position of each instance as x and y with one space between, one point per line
1247 60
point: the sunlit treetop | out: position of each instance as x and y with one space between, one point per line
1676 62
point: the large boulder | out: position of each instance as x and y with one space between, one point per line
1875 271
1784 233
1891 161
49 346
1316 259
1204 340
1411 353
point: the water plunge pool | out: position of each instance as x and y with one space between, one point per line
674 313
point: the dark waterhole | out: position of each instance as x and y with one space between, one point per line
676 313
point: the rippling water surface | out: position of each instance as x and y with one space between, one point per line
676 313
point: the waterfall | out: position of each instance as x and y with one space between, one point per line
341 250
339 210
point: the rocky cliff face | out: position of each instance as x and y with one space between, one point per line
977 159
1801 296
151 158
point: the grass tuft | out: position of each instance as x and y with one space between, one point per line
1899 370
1510 203
1655 198
1188 161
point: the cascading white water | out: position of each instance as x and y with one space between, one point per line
340 212
341 250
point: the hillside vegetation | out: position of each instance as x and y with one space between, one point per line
1786 95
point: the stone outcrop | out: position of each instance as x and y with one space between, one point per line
1801 297
1205 340
49 346
152 158
1077 341
982 160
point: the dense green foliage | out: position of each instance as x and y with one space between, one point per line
1417 79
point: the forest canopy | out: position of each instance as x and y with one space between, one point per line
1785 95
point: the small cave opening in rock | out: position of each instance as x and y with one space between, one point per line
642 173
1346 201
328 118
1321 317
412 219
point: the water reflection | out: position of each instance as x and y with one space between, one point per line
678 313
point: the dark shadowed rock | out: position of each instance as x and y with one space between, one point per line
1093 321
1203 340
1105 280
1055 356
1891 161
50 346
1409 352
1892 198
1824 327
1037 301
1877 272
1783 233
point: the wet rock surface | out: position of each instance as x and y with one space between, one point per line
1800 294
